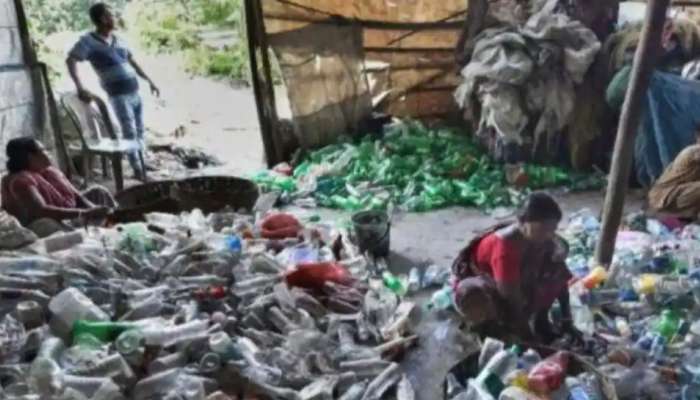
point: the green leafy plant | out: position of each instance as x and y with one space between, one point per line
179 26
47 17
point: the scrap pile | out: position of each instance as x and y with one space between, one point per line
413 168
169 161
639 321
522 76
510 374
193 307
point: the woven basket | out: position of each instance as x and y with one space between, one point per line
209 194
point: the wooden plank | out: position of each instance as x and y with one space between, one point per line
371 24
368 10
623 154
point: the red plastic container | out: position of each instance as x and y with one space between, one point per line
315 275
549 374
280 226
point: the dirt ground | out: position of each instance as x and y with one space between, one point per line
218 118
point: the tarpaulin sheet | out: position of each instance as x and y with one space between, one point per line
322 69
413 41
671 118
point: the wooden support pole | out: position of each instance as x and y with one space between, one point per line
623 154
262 79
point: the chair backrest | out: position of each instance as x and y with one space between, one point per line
90 119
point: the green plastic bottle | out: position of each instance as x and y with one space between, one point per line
103 331
394 283
668 324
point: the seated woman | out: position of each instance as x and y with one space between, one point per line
41 197
677 191
507 279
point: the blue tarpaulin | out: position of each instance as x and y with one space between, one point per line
670 119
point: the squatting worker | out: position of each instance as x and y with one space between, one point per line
677 191
41 197
507 279
115 65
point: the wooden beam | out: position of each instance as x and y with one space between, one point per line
371 24
262 80
623 154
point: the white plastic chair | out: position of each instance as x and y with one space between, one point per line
98 138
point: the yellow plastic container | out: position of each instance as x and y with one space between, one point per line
646 284
595 278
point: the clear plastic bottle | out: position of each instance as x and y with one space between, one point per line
492 377
222 344
168 336
435 276
71 305
490 348
130 345
414 280
63 241
156 385
529 359
210 363
170 361
442 299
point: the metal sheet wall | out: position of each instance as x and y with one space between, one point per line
23 102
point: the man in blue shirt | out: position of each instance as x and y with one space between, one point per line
118 71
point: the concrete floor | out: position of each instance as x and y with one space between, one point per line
419 239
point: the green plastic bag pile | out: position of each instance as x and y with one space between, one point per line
415 169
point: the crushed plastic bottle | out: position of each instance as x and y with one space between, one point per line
435 276
12 338
442 299
492 378
414 280
70 306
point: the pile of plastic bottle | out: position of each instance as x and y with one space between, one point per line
199 308
413 168
643 313
640 321
511 374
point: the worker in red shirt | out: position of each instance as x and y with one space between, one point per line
510 276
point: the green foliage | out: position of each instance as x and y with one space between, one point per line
230 63
220 12
46 17
176 26
163 26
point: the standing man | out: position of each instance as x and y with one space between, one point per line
115 65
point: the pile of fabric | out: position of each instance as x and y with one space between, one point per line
523 77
